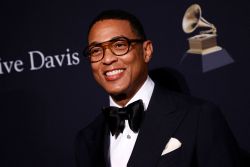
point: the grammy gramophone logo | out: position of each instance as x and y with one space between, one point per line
205 43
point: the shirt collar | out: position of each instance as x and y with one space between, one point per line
144 93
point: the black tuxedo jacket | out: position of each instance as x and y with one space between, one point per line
198 125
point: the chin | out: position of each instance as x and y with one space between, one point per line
115 91
115 87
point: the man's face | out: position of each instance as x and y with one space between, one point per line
120 75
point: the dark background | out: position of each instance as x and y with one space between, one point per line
41 111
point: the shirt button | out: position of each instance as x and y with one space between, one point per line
128 137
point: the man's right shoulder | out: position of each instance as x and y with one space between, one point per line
95 126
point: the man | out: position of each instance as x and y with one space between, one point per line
154 126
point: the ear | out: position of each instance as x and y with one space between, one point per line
147 50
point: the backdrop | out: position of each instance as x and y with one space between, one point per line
47 92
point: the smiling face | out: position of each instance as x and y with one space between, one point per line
120 76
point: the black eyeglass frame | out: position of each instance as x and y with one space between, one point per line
107 44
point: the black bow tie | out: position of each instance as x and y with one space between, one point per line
116 117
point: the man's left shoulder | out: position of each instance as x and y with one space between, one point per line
191 103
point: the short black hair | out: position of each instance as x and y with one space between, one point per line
121 15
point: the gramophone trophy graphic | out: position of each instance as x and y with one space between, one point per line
205 43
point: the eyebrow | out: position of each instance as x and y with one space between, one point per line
97 43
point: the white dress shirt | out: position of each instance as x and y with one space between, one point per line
122 146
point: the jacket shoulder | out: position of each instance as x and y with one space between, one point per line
93 128
182 97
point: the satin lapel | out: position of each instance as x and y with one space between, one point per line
106 146
98 136
160 123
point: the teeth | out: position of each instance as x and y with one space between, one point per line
114 72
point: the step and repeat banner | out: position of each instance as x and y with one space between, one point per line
47 91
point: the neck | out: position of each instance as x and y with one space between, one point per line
123 98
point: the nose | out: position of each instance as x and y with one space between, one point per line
108 57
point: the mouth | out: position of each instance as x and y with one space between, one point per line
114 74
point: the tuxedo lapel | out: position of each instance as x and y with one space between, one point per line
106 146
98 138
161 121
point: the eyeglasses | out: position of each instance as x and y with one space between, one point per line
119 46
